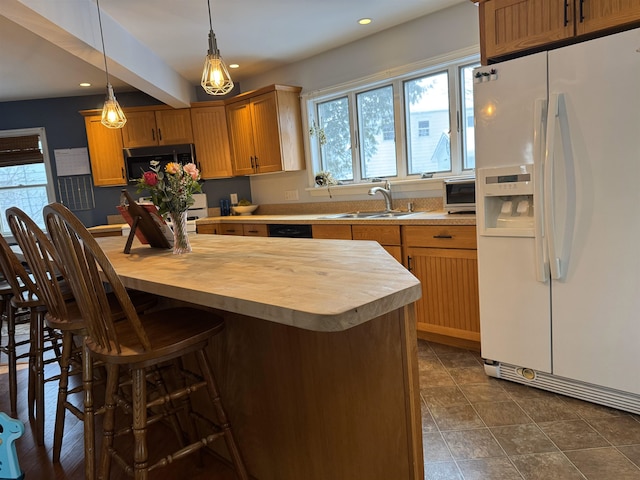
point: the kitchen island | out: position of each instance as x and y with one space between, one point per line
318 365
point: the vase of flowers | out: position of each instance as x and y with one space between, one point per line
171 189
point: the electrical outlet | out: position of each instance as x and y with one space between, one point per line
234 198
291 195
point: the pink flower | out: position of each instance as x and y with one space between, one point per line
172 168
192 170
150 178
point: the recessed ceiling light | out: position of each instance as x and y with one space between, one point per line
85 84
364 21
234 65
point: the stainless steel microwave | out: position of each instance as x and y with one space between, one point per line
138 160
459 195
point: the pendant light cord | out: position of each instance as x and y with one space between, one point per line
208 6
104 52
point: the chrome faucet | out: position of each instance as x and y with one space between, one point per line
386 193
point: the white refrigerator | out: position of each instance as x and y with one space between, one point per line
558 189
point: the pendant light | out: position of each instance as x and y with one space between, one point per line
112 114
215 76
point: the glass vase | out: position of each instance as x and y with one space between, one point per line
180 236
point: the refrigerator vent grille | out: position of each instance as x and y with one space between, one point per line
573 388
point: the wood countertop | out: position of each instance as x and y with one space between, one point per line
318 285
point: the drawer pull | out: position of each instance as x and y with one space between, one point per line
443 236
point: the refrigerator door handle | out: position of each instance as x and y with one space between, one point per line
556 116
539 123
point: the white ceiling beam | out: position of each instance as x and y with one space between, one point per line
73 26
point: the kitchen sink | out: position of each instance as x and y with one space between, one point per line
382 214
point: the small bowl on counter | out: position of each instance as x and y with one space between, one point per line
243 209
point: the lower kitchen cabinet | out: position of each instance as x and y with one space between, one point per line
444 259
386 235
246 229
332 231
255 230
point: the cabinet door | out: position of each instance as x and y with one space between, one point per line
240 138
508 26
595 15
255 230
212 141
266 133
231 229
140 129
105 152
449 306
334 231
174 126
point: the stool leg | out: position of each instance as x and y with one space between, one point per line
214 394
140 451
11 354
89 414
67 346
108 422
39 377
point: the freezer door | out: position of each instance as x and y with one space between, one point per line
515 307
507 114
596 232
515 325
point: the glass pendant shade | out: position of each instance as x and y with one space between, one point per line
215 76
112 115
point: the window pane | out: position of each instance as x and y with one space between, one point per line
468 138
335 138
377 133
427 107
23 187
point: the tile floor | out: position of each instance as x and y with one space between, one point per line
479 428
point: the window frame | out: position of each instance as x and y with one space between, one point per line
452 62
49 186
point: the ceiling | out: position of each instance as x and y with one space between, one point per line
158 46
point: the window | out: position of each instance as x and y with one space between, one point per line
416 122
423 128
24 173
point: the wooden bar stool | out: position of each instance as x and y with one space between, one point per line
142 344
42 339
62 314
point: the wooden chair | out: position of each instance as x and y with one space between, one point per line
42 339
139 343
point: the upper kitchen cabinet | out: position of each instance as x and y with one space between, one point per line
597 15
105 153
211 140
265 130
147 127
512 27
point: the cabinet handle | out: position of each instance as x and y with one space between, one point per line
122 172
566 12
581 11
159 134
409 262
443 236
257 165
153 134
253 231
252 167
